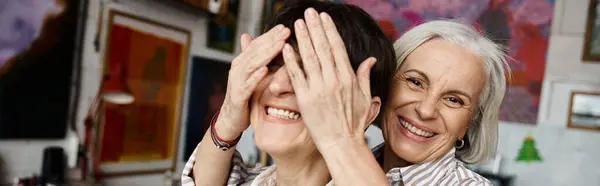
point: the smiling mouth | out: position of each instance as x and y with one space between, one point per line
282 113
414 130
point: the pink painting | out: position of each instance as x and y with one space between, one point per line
523 26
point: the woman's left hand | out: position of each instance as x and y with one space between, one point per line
335 103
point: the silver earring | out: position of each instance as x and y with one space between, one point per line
459 144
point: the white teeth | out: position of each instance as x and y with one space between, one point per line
280 113
415 130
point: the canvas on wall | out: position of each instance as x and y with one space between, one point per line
222 28
150 60
208 84
39 66
591 46
523 26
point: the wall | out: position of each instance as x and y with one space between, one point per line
570 156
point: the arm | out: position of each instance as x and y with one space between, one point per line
351 162
235 174
213 164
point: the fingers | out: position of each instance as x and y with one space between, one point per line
245 40
340 55
320 44
310 61
263 49
294 72
363 75
253 81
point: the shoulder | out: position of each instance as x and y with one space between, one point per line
240 173
466 177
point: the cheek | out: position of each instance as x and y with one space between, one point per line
456 122
402 94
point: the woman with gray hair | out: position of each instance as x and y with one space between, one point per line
442 111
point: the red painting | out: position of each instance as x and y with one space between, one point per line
150 68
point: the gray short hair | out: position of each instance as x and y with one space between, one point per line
483 130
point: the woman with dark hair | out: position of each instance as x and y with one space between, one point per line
261 93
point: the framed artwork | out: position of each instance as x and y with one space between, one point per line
508 23
148 59
584 111
40 63
212 6
207 87
222 28
591 44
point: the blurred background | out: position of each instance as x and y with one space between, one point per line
120 92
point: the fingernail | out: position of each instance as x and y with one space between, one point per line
325 16
279 27
310 13
373 61
287 47
283 33
299 24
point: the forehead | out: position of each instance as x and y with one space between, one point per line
447 64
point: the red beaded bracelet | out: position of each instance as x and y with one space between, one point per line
219 142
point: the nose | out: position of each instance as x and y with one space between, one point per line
427 108
280 83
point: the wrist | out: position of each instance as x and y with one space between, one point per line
345 143
225 131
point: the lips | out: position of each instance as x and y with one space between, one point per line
415 130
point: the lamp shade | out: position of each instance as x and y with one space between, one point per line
115 91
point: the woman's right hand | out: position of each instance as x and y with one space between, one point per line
247 70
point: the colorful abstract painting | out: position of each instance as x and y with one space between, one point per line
150 59
208 85
523 26
39 66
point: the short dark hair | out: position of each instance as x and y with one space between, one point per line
361 34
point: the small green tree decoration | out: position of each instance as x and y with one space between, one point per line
528 152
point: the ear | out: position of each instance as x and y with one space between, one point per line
373 110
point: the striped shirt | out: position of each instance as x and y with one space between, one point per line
445 171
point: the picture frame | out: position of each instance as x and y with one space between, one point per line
148 59
207 87
584 111
591 42
222 28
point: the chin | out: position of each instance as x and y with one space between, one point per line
280 139
410 153
276 134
